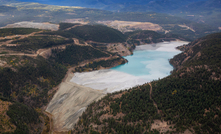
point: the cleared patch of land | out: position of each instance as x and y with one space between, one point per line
80 21
120 48
161 126
28 24
128 26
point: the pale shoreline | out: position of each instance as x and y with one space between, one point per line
107 80
73 97
162 46
110 81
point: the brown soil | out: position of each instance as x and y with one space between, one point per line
155 104
161 126
119 48
118 95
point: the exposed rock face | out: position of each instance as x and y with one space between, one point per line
27 24
69 103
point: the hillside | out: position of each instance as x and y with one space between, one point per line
36 41
19 118
186 101
14 31
148 37
207 12
26 84
32 65
95 33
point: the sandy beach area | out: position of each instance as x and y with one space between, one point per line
107 80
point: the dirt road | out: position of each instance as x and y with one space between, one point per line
154 103
20 54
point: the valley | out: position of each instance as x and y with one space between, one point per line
53 45
137 67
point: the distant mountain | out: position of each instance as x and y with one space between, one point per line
204 12
159 6
48 13
154 5
203 6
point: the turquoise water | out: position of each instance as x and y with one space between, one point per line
148 64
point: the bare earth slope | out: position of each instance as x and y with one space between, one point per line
27 24
69 103
127 26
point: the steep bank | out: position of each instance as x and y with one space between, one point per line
69 103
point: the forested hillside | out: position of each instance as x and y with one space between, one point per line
96 33
33 43
74 54
28 81
187 100
13 31
26 85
